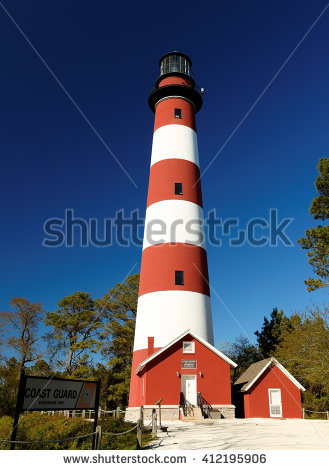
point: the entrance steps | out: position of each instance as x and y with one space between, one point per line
193 413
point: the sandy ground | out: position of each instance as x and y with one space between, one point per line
256 434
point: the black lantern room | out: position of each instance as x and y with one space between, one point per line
175 64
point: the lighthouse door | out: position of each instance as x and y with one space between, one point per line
189 388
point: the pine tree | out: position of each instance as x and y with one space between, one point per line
316 239
75 328
270 335
118 308
243 353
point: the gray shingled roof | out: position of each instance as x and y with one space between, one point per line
248 376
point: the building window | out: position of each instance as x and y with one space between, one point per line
178 113
179 278
178 188
188 347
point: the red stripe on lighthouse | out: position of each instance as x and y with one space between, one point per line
165 173
165 113
175 80
159 263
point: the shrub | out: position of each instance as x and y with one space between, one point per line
41 427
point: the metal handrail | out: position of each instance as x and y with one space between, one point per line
182 403
203 404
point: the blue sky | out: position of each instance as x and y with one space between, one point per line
106 56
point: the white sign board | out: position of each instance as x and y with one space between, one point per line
58 394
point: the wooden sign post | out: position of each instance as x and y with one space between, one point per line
19 404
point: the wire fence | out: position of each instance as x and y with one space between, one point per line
313 412
86 414
119 433
53 441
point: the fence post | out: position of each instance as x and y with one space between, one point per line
142 414
154 423
139 434
160 414
117 412
327 414
83 414
98 437
303 413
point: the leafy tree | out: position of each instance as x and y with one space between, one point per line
316 239
118 308
9 377
304 350
243 353
75 327
270 335
24 322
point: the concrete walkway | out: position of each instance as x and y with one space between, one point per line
253 434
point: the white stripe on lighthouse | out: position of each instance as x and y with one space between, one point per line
175 141
174 221
166 314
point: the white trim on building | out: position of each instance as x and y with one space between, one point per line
283 370
198 338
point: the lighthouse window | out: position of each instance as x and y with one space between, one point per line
178 113
179 278
178 188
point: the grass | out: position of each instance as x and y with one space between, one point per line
322 416
40 427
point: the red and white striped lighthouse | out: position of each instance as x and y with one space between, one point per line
174 292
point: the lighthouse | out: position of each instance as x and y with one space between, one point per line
174 358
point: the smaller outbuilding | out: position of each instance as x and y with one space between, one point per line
267 390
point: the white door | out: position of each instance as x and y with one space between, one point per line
189 388
274 397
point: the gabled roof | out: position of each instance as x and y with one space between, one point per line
256 370
198 338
